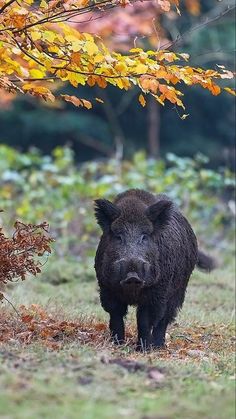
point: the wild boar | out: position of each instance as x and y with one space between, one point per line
145 257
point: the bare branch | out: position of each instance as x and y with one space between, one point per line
65 15
201 25
6 5
12 305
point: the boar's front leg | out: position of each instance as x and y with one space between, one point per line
117 311
144 328
117 327
159 333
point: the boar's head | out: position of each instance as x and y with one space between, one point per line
130 241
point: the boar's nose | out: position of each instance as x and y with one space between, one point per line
132 267
132 278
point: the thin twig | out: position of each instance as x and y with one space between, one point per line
197 27
6 5
63 14
17 312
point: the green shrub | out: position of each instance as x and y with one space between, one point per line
34 188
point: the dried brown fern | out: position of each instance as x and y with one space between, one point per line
20 254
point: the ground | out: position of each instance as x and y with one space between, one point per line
57 360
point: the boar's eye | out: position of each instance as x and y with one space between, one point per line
118 238
144 238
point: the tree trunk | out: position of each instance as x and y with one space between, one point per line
153 119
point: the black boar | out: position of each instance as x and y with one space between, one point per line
145 257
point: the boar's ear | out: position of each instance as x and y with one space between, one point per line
105 213
159 212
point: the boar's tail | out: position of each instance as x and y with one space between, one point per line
205 263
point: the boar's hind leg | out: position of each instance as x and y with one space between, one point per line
159 333
117 311
144 328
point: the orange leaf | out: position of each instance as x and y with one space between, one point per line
27 318
100 326
77 102
142 100
75 57
214 89
86 103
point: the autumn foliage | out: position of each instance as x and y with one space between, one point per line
20 254
39 45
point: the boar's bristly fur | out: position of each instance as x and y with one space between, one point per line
145 257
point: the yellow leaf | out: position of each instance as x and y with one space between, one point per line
99 100
37 74
35 35
119 83
40 91
121 68
142 100
76 43
135 50
98 58
53 48
49 36
88 37
126 84
43 4
91 48
141 68
231 91
75 79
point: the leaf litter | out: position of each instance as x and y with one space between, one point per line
36 325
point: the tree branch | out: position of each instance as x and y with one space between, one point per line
91 142
65 15
6 5
201 25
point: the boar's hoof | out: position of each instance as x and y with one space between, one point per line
140 347
117 341
160 347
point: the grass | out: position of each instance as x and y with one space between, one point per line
89 378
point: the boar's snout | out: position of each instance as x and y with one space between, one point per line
132 271
132 279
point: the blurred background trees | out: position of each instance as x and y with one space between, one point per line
121 126
56 158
